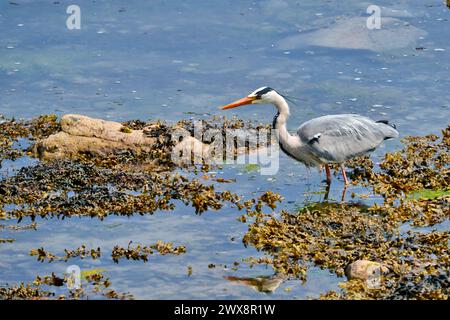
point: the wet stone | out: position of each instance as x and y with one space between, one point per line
364 269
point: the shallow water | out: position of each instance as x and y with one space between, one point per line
177 60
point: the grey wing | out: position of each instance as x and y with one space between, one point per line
336 138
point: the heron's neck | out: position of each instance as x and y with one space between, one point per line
279 122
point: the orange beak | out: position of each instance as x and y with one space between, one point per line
240 102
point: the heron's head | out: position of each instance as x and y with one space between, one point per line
261 95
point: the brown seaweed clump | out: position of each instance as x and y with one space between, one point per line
80 252
12 130
67 188
7 240
424 163
414 182
24 291
95 284
332 236
140 252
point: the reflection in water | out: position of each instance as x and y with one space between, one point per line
327 193
266 284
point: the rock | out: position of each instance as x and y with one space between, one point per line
79 125
81 134
353 33
189 146
364 269
62 144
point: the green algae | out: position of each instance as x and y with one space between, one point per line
428 194
251 167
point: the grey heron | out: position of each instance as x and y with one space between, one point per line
330 139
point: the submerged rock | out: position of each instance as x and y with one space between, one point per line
353 34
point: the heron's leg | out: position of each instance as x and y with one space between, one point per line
327 192
344 175
344 192
327 170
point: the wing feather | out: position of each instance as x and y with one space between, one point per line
336 138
